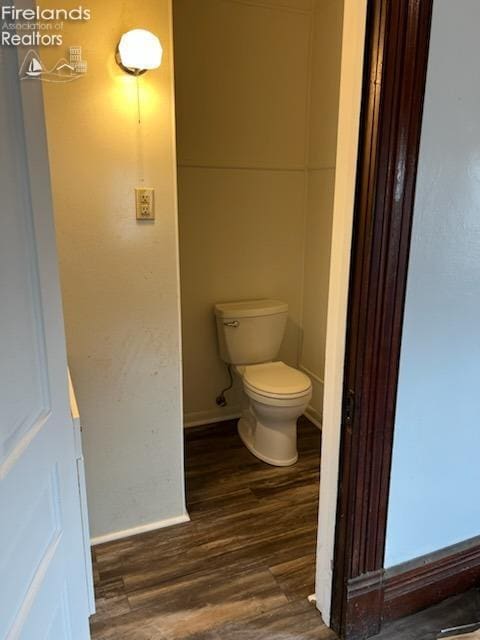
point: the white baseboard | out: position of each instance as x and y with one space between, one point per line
312 413
200 418
314 416
125 533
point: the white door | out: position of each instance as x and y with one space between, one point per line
43 588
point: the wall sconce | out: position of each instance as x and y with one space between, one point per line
138 51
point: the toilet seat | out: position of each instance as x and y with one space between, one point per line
276 380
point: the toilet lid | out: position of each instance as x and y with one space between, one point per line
276 378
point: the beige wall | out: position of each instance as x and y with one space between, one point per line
323 116
119 276
255 197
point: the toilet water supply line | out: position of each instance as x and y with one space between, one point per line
221 400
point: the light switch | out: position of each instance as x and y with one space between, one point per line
144 204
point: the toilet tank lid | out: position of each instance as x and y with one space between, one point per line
250 308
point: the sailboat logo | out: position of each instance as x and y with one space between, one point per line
34 68
63 70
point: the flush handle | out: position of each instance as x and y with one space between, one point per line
232 323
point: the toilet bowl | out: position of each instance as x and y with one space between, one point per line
276 395
250 334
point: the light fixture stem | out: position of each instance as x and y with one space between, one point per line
137 78
140 167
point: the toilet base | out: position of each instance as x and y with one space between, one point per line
245 431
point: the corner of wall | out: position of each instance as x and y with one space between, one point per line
351 78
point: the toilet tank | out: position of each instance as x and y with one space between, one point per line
252 331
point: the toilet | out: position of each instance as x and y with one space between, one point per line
275 395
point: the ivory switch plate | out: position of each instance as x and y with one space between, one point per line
144 203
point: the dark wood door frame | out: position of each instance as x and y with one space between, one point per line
364 593
396 58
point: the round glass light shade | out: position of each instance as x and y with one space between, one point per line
140 50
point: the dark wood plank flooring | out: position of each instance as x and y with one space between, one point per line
241 569
244 566
426 625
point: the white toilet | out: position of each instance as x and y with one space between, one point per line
275 395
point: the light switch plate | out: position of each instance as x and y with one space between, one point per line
144 203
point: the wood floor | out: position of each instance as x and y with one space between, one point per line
241 569
426 625
244 566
